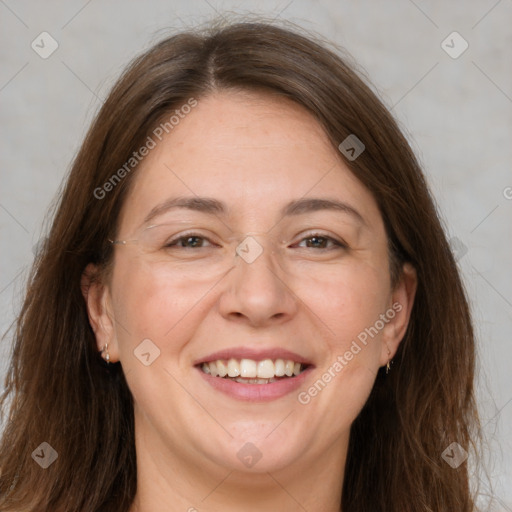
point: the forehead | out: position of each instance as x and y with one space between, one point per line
252 151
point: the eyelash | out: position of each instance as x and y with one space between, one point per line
336 243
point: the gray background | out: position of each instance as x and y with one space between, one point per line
457 113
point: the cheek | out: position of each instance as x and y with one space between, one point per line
351 305
154 305
347 301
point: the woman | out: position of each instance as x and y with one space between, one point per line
246 301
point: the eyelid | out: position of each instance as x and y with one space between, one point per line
190 234
337 241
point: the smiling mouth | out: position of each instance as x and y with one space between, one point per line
250 371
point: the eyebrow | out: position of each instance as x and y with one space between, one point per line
212 206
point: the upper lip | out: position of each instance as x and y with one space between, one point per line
254 354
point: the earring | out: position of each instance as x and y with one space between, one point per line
388 365
105 353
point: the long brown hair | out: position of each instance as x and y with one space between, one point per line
60 391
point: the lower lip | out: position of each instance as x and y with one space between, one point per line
257 392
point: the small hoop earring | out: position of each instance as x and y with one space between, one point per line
105 353
388 365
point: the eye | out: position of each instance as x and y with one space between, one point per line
189 241
318 241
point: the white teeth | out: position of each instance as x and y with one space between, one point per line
266 369
288 368
254 381
222 369
233 368
213 369
279 368
251 371
248 368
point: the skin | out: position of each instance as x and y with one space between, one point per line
256 153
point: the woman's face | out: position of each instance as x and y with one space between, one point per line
310 285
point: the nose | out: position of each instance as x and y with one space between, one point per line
256 291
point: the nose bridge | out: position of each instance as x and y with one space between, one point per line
253 244
257 290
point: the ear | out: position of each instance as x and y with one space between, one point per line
98 301
399 313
